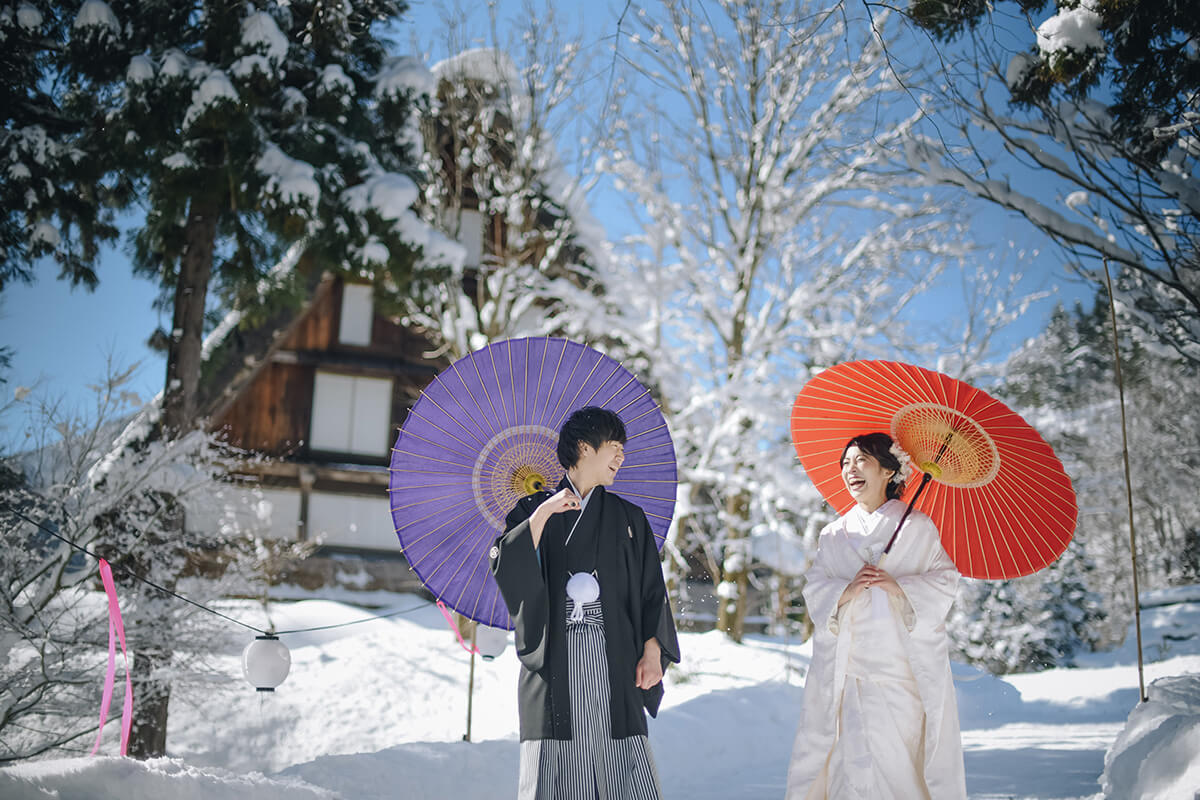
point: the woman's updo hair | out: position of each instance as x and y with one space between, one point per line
879 447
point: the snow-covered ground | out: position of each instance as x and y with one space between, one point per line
378 710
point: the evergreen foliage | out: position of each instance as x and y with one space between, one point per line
237 128
1148 68
1101 138
1064 382
266 113
1030 624
53 202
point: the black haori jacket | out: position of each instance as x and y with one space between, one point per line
633 599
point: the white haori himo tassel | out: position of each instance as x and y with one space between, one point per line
582 587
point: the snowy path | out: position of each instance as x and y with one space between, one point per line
1037 760
377 712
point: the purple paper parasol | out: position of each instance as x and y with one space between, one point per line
483 435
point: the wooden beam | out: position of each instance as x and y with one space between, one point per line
354 362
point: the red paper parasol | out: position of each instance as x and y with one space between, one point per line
996 491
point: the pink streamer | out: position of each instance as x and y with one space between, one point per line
470 648
116 628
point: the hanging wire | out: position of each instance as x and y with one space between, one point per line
201 606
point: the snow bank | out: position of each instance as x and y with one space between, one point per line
377 710
1156 756
127 779
427 771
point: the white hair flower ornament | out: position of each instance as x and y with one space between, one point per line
906 467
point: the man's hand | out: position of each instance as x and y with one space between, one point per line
566 500
649 667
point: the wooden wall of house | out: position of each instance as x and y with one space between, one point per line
272 414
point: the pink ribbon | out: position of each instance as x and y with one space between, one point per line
116 628
470 648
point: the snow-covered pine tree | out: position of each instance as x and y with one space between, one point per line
239 128
1032 623
985 626
51 201
1075 611
1144 55
243 127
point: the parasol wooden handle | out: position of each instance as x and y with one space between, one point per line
925 478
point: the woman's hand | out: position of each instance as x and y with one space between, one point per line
565 500
649 666
870 575
884 580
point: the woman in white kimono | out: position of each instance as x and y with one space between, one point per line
880 721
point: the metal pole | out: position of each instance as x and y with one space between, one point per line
471 683
1137 607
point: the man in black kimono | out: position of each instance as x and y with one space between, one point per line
582 580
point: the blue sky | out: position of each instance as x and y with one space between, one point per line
62 338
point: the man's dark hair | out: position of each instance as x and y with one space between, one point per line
589 424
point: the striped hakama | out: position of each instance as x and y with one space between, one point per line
591 765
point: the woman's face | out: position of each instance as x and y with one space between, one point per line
865 478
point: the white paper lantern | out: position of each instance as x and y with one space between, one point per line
266 662
490 641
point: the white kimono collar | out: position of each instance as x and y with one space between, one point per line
869 531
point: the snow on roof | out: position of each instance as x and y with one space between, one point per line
230 321
495 67
404 74
485 64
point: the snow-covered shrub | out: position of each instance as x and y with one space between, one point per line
103 485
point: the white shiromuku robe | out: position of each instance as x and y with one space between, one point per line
880 718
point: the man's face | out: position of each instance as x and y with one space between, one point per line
599 466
